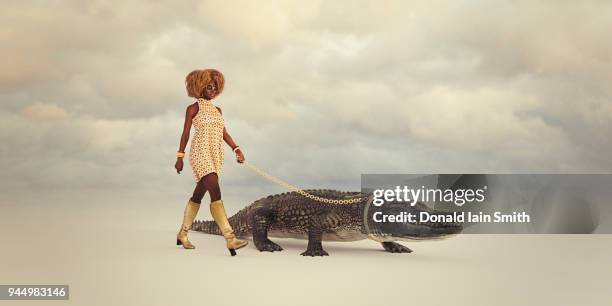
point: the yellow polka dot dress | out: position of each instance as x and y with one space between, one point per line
206 152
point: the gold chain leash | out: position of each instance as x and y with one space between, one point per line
298 190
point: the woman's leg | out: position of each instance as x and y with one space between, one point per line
191 210
211 182
199 191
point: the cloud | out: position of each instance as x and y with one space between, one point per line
44 112
316 93
267 23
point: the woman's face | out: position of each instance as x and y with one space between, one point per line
210 91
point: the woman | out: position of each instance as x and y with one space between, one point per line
206 154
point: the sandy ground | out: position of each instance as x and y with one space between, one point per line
113 253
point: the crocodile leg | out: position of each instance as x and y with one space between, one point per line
394 247
390 246
315 235
260 222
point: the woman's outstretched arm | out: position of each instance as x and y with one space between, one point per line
230 142
189 114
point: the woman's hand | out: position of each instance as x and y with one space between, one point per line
239 156
178 165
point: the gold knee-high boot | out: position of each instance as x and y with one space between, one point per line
191 210
218 212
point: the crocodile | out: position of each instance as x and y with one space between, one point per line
292 215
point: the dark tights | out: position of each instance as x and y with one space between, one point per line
210 183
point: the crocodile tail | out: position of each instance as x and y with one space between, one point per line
208 227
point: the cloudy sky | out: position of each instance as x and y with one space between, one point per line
317 92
